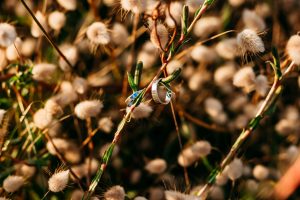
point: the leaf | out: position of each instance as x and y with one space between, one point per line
184 20
276 63
172 77
131 82
138 74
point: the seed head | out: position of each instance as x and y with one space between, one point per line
203 54
28 47
260 172
68 4
156 166
174 195
115 193
80 85
42 118
245 78
8 34
159 36
236 3
105 124
88 108
13 183
135 6
56 20
119 34
3 60
175 9
35 29
227 48
44 72
71 53
201 148
98 34
142 111
234 170
261 84
224 73
12 51
253 21
249 41
206 26
58 181
293 48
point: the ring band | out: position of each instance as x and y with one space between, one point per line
154 92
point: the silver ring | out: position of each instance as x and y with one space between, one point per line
154 92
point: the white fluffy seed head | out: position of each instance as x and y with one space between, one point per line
105 124
213 106
98 34
173 65
135 6
245 78
224 73
236 3
42 118
25 170
206 26
175 9
293 48
234 170
3 60
197 80
8 34
44 72
71 53
115 193
203 54
253 21
35 29
28 47
68 4
187 157
80 85
249 41
61 144
12 51
156 166
53 108
88 108
174 195
261 85
56 20
201 148
159 36
227 48
58 181
260 172
142 111
13 183
119 34
147 58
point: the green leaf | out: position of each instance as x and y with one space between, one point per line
208 2
255 122
172 77
108 153
132 85
138 74
184 19
276 63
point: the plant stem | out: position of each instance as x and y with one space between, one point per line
269 101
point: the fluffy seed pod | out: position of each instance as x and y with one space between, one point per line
173 66
206 26
115 193
58 181
80 85
71 53
260 172
42 118
236 3
77 194
147 58
134 6
56 20
28 47
249 41
52 107
227 48
221 179
61 144
203 54
12 51
174 195
139 198
66 95
159 36
193 4
216 193
68 4
285 127
197 80
8 34
186 157
201 148
263 9
86 109
293 49
44 72
234 170
142 111
156 166
224 74
13 183
35 29
213 106
105 124
175 9
261 85
119 34
3 60
253 21
26 170
98 34
245 78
